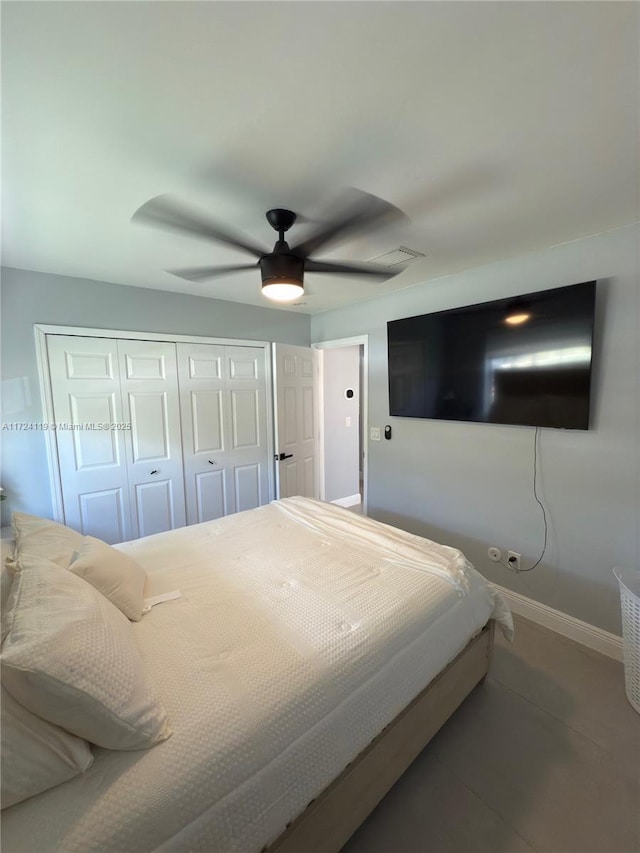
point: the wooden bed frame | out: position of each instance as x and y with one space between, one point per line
329 821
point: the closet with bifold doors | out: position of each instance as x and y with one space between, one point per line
152 435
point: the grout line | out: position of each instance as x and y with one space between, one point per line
487 805
552 716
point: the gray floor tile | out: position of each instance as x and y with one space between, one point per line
430 811
558 789
576 685
544 756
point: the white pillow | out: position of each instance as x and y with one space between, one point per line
41 537
70 657
35 755
7 548
112 573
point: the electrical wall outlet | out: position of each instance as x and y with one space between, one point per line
513 558
494 554
375 433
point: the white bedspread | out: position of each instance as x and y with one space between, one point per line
301 632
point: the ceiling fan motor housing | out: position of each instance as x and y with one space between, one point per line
280 219
282 267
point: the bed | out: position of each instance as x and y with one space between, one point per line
311 655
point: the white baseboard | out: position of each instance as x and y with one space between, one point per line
352 500
575 629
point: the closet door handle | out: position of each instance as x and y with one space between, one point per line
155 471
212 462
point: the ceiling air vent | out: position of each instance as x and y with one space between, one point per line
395 257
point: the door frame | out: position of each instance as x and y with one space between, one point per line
339 343
42 331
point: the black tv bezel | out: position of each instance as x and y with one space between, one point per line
506 300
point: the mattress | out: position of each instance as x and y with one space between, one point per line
302 630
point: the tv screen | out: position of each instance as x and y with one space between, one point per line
523 361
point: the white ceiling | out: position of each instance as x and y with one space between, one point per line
499 128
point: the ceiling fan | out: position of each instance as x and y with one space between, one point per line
283 268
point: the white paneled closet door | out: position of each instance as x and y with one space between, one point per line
224 426
247 416
149 384
85 387
200 369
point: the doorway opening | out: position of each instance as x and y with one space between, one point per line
342 416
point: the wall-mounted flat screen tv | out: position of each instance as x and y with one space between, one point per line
522 361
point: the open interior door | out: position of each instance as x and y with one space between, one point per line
296 429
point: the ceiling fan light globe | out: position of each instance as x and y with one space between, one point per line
282 290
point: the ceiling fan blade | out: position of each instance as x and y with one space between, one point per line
369 270
359 212
201 273
165 212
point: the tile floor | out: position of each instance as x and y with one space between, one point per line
545 756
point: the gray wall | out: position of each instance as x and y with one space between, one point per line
27 298
471 485
341 370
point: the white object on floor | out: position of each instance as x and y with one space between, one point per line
351 500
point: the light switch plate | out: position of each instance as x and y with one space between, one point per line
375 433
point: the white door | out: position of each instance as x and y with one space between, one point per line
149 383
87 408
224 423
296 420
